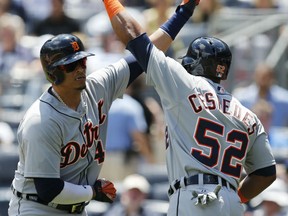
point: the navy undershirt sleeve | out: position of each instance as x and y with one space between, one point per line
134 67
48 188
141 48
173 25
267 171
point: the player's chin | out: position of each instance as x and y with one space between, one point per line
82 87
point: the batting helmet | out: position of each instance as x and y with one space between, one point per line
208 57
62 49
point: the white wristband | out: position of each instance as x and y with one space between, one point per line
72 193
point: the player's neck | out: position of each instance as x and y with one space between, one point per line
70 99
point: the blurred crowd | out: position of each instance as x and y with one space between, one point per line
135 141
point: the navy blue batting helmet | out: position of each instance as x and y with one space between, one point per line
208 57
62 49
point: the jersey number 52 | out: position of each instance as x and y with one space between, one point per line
209 134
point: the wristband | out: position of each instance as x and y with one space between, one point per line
173 25
113 7
242 197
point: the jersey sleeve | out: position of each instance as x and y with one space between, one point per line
260 154
41 143
113 79
168 76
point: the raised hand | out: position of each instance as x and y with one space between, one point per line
190 4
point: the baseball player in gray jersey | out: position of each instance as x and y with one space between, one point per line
62 136
211 137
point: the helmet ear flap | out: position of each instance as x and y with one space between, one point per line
189 63
53 78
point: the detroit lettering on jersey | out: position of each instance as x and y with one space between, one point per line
72 151
201 101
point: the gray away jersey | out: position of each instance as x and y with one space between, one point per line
208 130
58 142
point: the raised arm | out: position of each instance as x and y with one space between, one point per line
127 28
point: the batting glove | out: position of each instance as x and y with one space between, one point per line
190 4
105 191
205 198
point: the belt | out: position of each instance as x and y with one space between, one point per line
207 179
77 208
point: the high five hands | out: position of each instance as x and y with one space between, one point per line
190 4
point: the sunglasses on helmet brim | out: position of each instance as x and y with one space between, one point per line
69 68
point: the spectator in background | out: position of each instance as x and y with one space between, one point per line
35 10
237 3
13 7
273 201
263 109
127 145
265 87
57 22
264 4
6 134
104 41
139 91
282 4
132 200
257 4
268 98
4 7
156 14
206 10
153 112
12 52
136 3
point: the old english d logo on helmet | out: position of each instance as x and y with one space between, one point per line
220 70
75 46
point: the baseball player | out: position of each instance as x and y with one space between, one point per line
211 137
62 135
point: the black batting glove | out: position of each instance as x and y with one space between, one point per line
104 191
190 4
186 8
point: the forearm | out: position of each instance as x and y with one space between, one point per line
103 191
58 191
124 25
72 193
161 40
164 36
252 185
